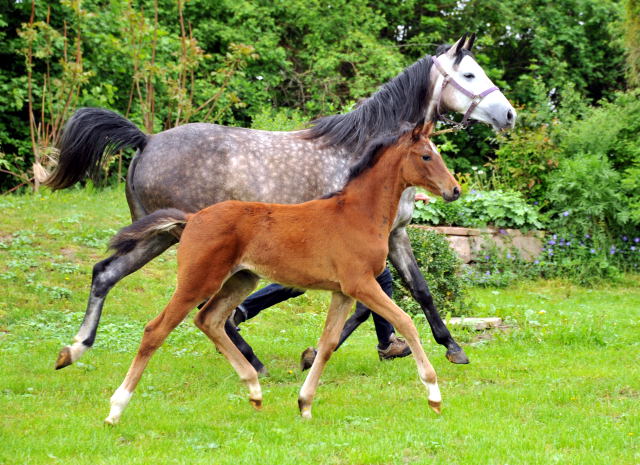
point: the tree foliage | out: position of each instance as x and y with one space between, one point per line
163 63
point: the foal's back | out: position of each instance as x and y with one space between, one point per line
299 245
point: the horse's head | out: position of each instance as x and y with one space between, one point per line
461 85
423 165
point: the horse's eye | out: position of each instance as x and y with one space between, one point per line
426 157
469 75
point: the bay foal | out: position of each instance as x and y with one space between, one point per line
338 243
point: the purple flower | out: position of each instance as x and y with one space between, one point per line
592 250
536 262
624 238
565 213
555 236
637 239
612 250
551 242
502 231
487 257
587 236
568 243
535 203
488 273
508 255
633 247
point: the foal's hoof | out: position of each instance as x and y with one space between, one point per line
307 358
64 358
435 406
457 356
256 403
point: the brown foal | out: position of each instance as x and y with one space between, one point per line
338 243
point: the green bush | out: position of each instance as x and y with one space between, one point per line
440 265
479 209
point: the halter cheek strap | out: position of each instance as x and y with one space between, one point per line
475 98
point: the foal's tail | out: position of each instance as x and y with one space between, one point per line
90 136
157 222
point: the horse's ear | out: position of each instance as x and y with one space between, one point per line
427 129
470 40
457 47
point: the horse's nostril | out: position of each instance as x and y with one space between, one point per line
509 115
456 192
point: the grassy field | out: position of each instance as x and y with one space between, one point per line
560 385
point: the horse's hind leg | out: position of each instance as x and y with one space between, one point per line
211 320
338 311
105 275
154 335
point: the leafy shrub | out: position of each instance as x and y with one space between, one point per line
440 266
478 209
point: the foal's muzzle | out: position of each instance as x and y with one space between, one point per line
451 195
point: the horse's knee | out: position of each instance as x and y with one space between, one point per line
103 278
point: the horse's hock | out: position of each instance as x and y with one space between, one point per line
470 244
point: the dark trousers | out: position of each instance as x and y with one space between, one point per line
275 293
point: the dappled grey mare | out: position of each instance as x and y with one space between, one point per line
195 165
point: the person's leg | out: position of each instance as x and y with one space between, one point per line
266 297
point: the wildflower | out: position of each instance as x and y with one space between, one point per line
536 262
535 203
555 236
542 312
612 250
551 242
637 239
566 213
473 191
568 243
487 257
488 273
587 236
592 250
633 247
474 168
502 231
624 238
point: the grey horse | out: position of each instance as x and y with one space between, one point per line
195 165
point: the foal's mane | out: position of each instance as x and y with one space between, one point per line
403 99
372 153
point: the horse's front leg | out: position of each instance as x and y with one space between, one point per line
338 311
105 275
402 258
370 294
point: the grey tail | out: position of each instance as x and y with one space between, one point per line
90 136
157 222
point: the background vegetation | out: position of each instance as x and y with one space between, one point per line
555 384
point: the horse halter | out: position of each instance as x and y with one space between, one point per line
475 98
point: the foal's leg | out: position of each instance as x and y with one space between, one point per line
154 335
338 311
211 320
105 275
371 295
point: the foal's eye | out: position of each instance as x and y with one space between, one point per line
426 157
469 76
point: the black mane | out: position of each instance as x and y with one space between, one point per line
403 99
371 154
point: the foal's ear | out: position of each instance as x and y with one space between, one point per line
469 42
422 130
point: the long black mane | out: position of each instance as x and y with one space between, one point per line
403 99
372 152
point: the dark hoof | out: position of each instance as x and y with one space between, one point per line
457 356
64 358
256 403
307 358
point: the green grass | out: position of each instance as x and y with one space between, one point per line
561 385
